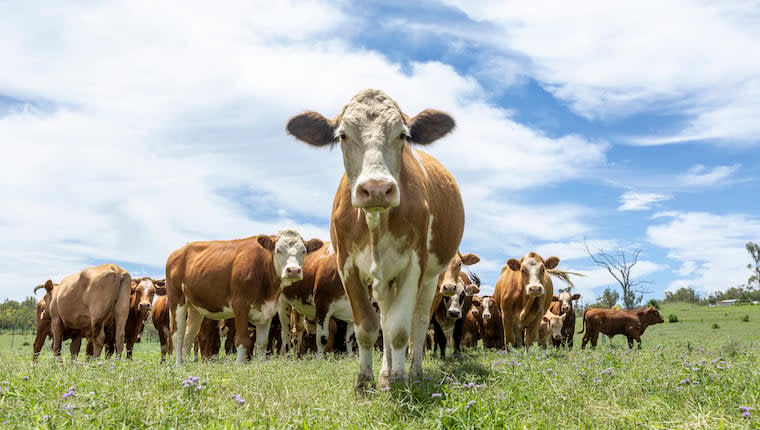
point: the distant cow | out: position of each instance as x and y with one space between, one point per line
524 291
42 318
449 316
563 305
473 325
613 322
140 300
160 316
397 220
240 279
550 328
85 301
318 297
492 331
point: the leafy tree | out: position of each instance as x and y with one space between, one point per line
683 294
609 298
754 251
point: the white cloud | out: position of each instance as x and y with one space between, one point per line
633 201
701 176
688 57
710 247
147 127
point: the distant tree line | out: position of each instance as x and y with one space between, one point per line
688 295
18 317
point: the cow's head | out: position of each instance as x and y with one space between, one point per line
650 316
490 309
447 281
288 251
554 323
532 268
477 306
372 132
566 301
455 302
141 296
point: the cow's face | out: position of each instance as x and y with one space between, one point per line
447 281
532 268
489 307
477 305
288 251
652 316
566 301
372 132
554 322
455 302
141 297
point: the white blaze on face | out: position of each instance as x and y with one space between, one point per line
566 302
144 293
554 323
288 255
533 275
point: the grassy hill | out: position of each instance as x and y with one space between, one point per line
688 374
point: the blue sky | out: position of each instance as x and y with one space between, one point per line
131 129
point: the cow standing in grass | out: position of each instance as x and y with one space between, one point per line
397 220
563 305
631 324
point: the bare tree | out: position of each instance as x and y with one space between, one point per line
620 266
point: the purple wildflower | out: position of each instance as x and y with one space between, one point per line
71 392
607 371
595 379
238 399
67 408
469 404
427 378
549 370
745 414
436 395
450 410
46 417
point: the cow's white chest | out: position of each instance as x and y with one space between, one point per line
390 257
341 309
263 313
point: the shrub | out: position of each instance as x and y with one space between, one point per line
745 318
654 303
715 325
673 318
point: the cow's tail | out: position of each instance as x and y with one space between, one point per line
583 327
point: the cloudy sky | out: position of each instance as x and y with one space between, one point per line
128 130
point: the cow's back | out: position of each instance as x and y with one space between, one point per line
92 294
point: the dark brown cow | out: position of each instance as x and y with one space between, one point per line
473 325
42 319
611 322
160 316
563 305
318 297
240 278
524 292
448 319
140 301
396 222
493 331
87 301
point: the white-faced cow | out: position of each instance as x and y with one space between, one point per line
563 305
550 328
524 291
397 221
239 279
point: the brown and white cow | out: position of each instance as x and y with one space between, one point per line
473 324
140 301
42 318
550 328
86 301
493 331
449 316
160 316
612 322
397 221
563 305
239 279
318 297
524 292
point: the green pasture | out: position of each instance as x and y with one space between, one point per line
687 375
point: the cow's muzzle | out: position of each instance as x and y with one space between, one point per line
534 290
486 315
144 307
454 314
293 273
376 194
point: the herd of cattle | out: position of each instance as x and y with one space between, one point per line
391 278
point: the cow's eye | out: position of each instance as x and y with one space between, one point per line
404 136
342 137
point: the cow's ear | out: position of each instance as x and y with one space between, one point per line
576 296
555 298
513 264
48 285
160 290
266 242
312 128
471 289
429 126
470 259
545 319
551 262
313 245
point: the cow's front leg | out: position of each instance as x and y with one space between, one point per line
283 313
262 338
420 323
365 325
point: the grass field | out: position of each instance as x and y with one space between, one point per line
687 375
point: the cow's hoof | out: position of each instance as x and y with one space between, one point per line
364 383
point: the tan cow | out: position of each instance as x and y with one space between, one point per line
550 328
239 279
86 301
524 292
318 297
397 221
42 318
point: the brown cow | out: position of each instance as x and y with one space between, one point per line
448 318
397 221
563 305
550 328
42 319
160 316
524 292
318 297
140 300
493 331
473 324
240 278
86 301
613 322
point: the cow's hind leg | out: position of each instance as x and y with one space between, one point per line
192 327
76 344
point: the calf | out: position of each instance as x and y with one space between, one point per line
240 278
493 331
563 305
85 301
613 322
397 220
524 291
550 328
473 325
160 316
448 319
